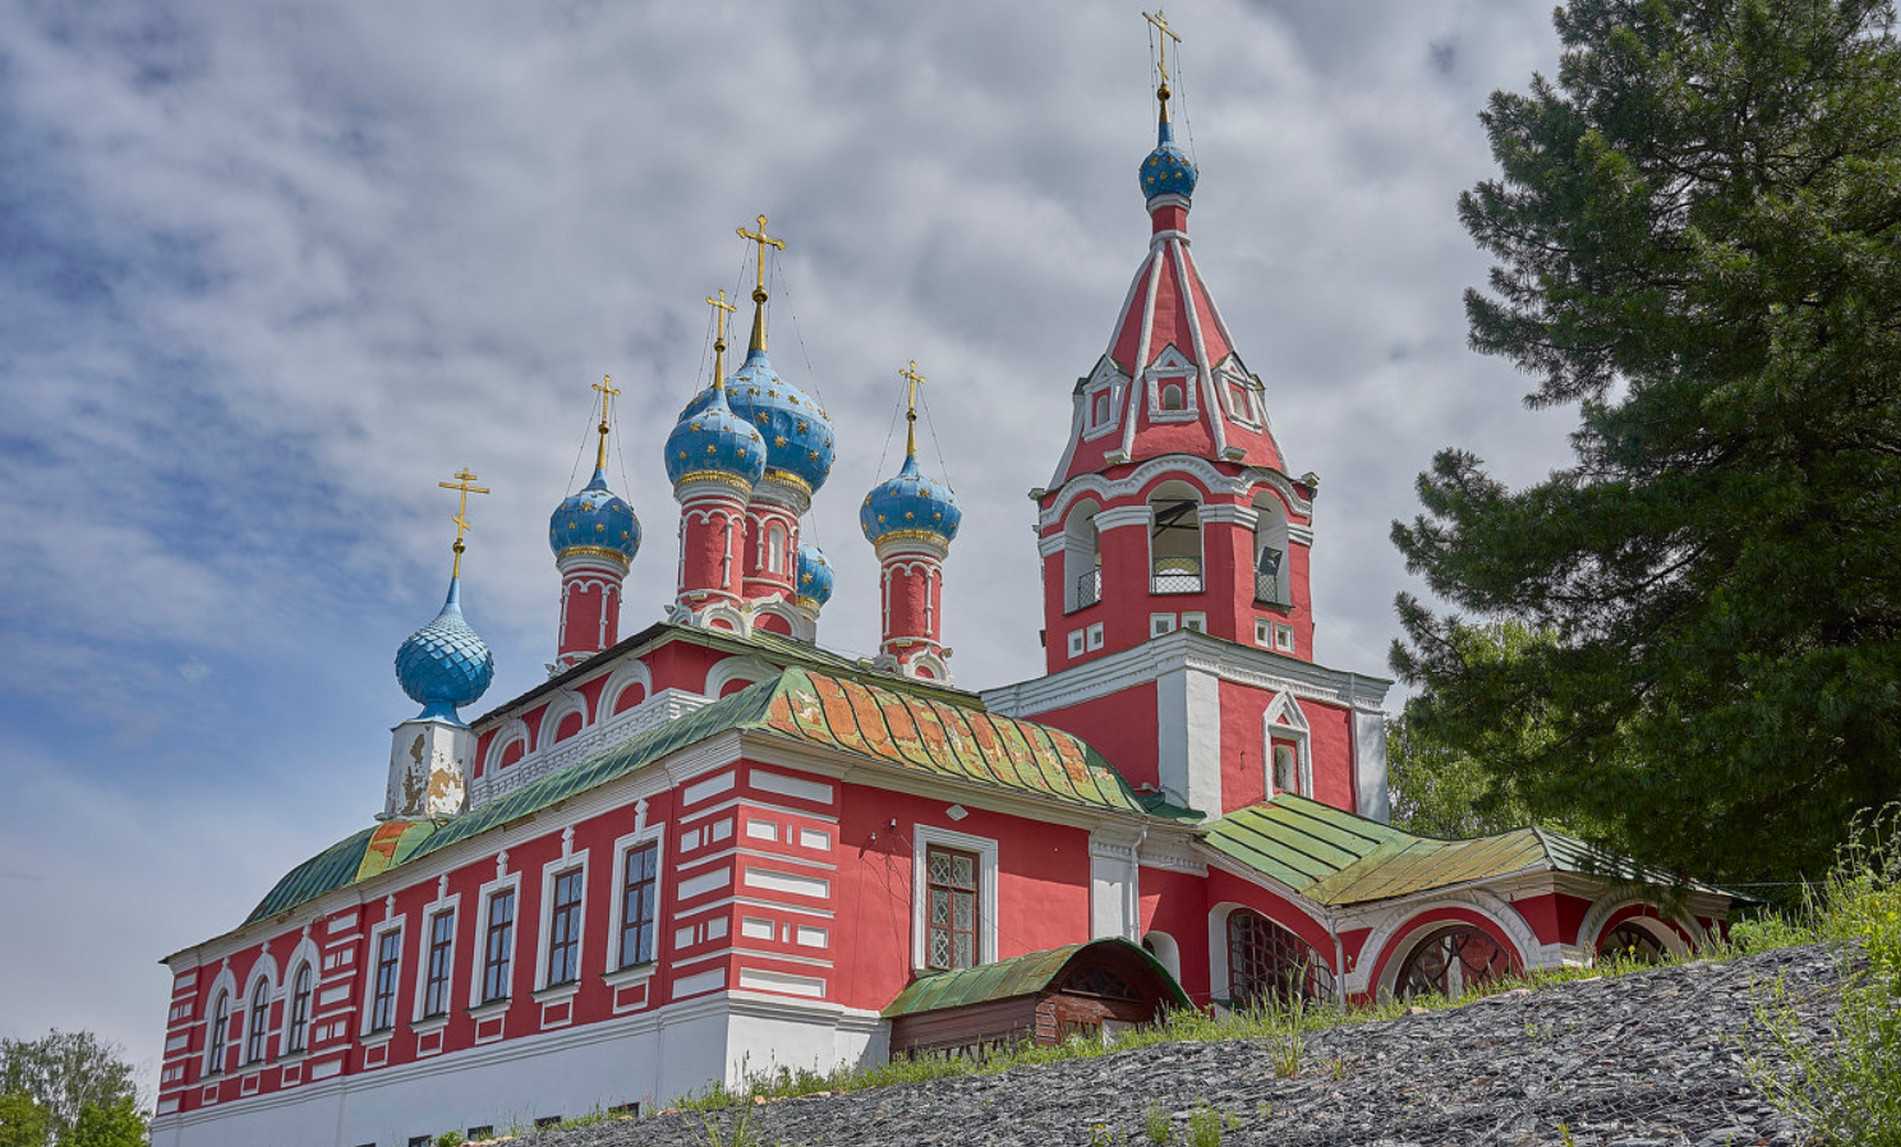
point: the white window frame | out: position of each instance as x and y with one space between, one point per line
1196 620
299 960
559 866
922 837
1092 637
1296 730
1283 637
1161 624
1264 632
1248 411
1107 381
478 971
225 987
377 932
1172 367
451 904
266 971
656 835
1075 643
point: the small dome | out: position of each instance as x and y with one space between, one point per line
815 575
595 518
710 439
797 433
445 664
909 502
1167 170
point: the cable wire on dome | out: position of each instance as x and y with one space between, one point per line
580 451
782 284
943 467
1188 121
897 407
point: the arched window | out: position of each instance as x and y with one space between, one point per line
258 1026
297 1033
1175 539
1174 396
1273 573
1450 962
775 548
220 1032
1269 964
1633 942
1099 410
1082 558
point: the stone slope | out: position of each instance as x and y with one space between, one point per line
1657 1058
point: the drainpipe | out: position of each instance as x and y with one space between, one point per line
1339 964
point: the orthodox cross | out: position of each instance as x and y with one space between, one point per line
912 380
721 308
1161 25
607 391
759 285
465 484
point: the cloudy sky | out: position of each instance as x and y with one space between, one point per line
268 272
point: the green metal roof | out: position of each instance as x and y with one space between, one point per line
1007 979
1331 856
911 731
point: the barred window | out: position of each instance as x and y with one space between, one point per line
564 930
1451 961
383 1002
639 898
436 988
499 946
297 1037
1268 963
951 898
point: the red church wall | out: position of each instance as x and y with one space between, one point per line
1122 727
1554 916
1330 737
1177 903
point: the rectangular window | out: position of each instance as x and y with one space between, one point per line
1093 636
1075 642
441 937
1286 768
383 1003
297 1038
951 899
1195 621
564 930
1160 623
1264 633
640 887
498 947
1284 638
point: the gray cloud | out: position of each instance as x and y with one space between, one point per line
275 270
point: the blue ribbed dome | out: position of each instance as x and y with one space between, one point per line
815 575
711 439
594 518
798 435
909 502
1167 170
445 664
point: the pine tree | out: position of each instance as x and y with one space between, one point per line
1697 230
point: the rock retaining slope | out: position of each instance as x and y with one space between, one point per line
1654 1058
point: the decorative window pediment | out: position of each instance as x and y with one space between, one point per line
1103 395
1172 393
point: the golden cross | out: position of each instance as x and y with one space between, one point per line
759 286
607 391
465 483
1161 25
912 380
721 308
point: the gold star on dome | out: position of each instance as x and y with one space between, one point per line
909 516
801 426
694 425
712 449
778 440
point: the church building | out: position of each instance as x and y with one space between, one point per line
714 848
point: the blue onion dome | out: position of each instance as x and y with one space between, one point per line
711 441
910 504
445 664
797 432
815 576
1167 170
594 520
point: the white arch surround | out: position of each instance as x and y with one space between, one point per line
739 667
1166 951
1240 487
632 671
263 972
1591 930
1296 730
224 984
568 701
1476 900
512 730
304 954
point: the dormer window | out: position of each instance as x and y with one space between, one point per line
1099 410
1171 388
1174 396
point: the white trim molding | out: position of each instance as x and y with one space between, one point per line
924 835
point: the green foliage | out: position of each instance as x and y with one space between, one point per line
1157 1126
451 1139
1206 1125
23 1122
1455 793
1695 229
115 1124
1850 1093
66 1073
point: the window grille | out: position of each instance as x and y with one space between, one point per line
639 897
499 946
951 917
564 930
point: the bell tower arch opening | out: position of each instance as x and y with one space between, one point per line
1082 557
1175 550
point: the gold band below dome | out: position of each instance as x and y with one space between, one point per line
788 478
913 536
803 602
593 552
724 479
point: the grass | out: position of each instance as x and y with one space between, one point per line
1850 1092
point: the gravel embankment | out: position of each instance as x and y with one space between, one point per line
1634 1061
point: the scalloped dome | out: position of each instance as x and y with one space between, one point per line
797 431
1167 170
815 575
711 439
445 664
594 518
910 501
